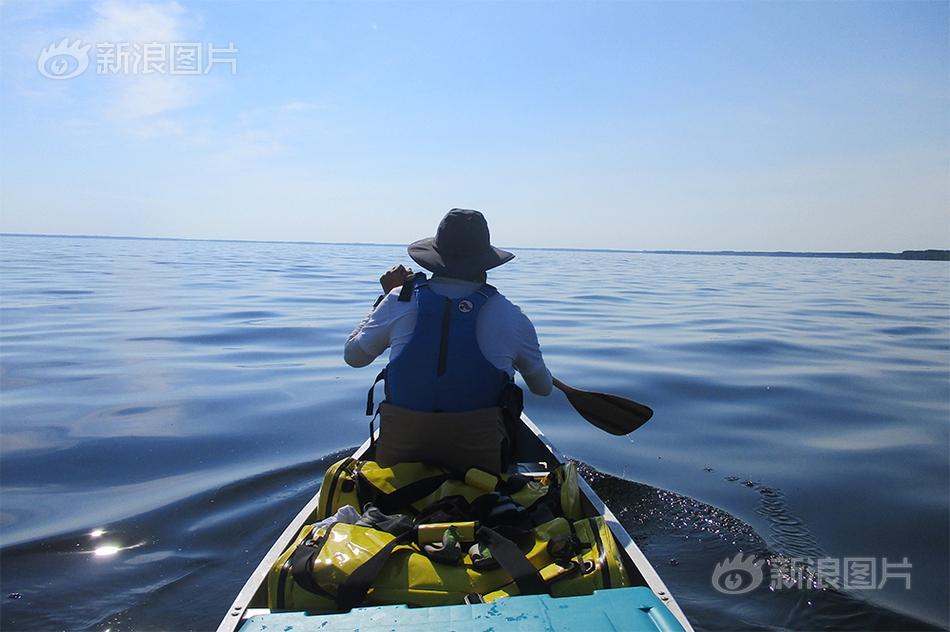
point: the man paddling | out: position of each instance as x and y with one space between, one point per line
455 344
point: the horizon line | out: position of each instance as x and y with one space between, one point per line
726 252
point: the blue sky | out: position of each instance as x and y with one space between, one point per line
820 126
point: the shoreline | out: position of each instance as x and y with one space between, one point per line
906 255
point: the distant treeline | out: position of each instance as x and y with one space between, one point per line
919 255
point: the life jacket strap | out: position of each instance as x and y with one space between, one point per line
444 343
409 286
370 408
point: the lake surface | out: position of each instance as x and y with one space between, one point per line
167 407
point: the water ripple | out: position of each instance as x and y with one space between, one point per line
139 374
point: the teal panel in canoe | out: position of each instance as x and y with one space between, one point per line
633 609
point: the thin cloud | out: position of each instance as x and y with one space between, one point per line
138 104
298 106
140 23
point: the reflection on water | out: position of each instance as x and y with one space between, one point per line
180 396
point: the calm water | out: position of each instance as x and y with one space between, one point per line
180 400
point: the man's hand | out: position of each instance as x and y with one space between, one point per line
394 278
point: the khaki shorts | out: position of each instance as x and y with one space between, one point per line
457 441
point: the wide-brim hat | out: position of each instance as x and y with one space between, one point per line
461 247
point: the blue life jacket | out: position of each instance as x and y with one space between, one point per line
442 369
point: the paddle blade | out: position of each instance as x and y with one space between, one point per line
611 413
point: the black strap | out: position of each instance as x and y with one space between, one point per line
282 583
514 562
409 285
369 396
402 498
301 567
444 345
353 590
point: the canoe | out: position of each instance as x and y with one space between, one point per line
646 604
